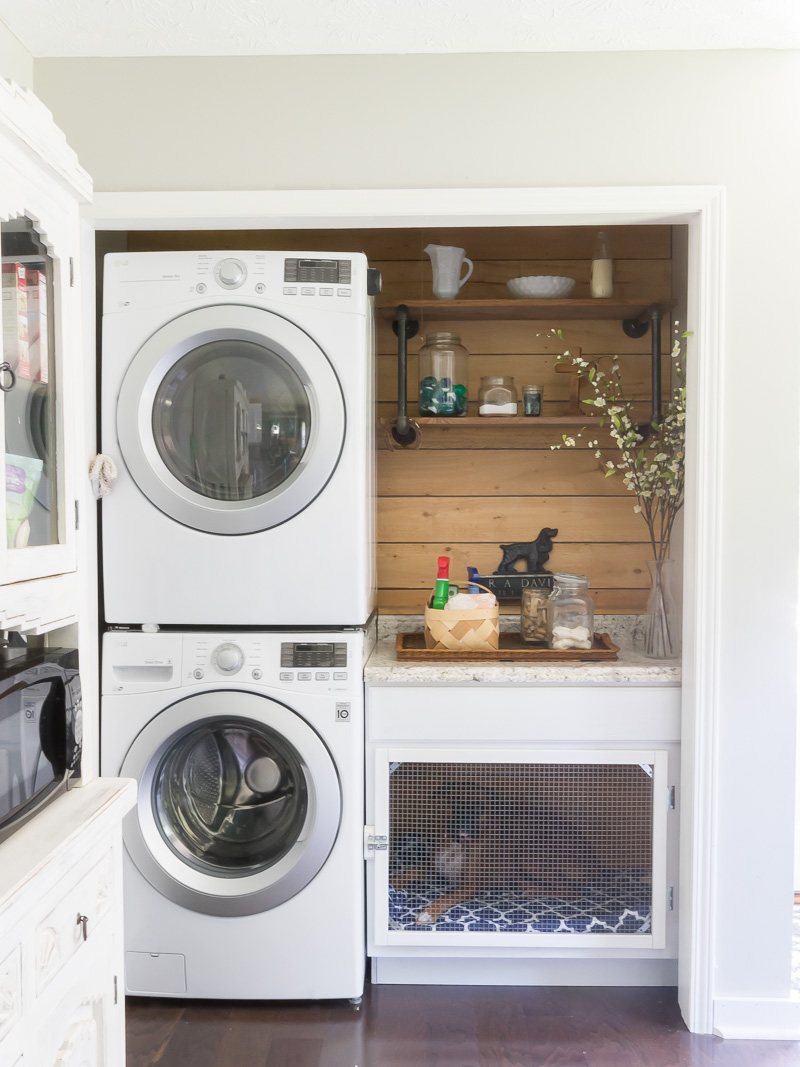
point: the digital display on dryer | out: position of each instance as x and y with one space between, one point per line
326 271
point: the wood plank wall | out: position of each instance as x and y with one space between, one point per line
468 489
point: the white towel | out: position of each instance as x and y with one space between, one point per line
102 472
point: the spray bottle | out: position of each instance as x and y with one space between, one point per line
442 588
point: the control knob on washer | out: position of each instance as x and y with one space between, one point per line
227 658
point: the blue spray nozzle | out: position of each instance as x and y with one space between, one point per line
472 575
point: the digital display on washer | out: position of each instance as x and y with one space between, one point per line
327 271
316 654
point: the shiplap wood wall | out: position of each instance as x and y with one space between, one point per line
468 489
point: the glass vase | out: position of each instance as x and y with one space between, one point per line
662 621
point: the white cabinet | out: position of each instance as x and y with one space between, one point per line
42 188
522 835
61 954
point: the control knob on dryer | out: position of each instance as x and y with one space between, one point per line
227 658
230 273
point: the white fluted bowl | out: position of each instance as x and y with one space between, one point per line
541 287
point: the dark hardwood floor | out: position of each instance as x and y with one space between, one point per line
439 1026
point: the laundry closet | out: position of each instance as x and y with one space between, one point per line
578 751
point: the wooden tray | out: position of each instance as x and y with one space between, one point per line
512 650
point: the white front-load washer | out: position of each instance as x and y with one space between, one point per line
243 864
237 401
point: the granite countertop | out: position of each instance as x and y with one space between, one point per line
631 668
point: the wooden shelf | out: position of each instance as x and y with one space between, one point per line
450 310
500 420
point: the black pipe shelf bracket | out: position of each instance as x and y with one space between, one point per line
404 432
650 319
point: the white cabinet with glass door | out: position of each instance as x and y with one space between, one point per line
42 188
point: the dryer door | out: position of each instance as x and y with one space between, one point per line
239 803
231 419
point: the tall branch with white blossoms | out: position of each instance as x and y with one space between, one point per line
652 467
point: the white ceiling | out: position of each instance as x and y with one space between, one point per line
50 28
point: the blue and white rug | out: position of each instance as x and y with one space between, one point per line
618 904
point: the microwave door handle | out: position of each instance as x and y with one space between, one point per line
48 743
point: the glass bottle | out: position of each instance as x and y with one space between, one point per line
532 400
497 395
443 375
570 613
601 279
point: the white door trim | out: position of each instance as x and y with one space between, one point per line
702 207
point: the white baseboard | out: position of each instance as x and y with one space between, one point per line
429 970
758 1018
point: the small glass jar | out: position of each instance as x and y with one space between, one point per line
570 613
443 370
532 400
533 616
497 396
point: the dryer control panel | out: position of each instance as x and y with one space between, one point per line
326 271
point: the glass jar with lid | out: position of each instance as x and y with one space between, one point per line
570 613
533 615
497 395
443 375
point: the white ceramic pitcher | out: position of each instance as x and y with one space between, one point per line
447 263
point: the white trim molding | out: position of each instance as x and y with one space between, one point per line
702 208
758 1018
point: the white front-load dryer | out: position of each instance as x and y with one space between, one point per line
237 402
243 865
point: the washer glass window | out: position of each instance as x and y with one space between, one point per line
231 420
230 797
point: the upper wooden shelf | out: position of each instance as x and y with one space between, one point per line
449 310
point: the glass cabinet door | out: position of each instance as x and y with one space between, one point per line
31 398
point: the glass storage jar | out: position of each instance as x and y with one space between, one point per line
497 395
443 370
533 616
570 613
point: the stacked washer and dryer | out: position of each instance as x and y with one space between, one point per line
238 576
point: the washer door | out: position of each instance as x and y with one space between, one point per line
239 803
231 419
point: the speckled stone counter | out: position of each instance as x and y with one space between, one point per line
632 667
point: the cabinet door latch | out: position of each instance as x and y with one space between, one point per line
374 842
71 273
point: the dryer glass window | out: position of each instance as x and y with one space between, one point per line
230 797
231 420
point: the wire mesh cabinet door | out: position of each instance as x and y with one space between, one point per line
519 848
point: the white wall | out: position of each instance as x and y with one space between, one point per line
16 62
716 118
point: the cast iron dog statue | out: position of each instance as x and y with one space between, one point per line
535 553
487 840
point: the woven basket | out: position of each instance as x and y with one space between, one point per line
476 630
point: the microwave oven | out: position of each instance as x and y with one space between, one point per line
40 731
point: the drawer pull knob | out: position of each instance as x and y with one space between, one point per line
83 922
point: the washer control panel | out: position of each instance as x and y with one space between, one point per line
228 658
314 663
212 657
313 654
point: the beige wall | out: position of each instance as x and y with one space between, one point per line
420 121
16 62
696 118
